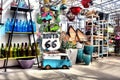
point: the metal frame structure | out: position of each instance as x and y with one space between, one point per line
12 32
109 6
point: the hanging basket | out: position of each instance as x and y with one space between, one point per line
75 10
85 4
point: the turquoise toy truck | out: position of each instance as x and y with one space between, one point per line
56 61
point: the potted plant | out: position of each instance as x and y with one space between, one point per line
71 50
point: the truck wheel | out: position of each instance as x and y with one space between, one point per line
47 67
64 67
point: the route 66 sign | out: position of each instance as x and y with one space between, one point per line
50 41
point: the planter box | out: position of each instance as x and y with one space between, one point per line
72 54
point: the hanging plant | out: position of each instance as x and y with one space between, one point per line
54 8
54 28
47 16
56 16
39 19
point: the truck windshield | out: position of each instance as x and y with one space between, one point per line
64 57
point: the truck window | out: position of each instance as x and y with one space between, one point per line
63 57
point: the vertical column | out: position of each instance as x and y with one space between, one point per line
33 35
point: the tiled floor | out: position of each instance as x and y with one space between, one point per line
101 69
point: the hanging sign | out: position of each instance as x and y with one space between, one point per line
50 41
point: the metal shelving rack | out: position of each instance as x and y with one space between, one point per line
11 34
105 36
95 40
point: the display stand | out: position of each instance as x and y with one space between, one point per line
16 9
93 34
104 42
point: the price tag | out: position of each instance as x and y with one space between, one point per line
50 41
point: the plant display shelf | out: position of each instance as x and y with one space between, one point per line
94 39
16 9
26 57
104 42
9 32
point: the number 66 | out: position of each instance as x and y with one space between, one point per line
53 44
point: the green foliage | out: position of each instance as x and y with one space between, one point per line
67 45
39 20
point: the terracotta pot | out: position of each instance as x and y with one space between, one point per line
75 10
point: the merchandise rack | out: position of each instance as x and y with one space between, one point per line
11 34
104 42
95 39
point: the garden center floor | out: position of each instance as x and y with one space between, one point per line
107 68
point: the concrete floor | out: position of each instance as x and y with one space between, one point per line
100 69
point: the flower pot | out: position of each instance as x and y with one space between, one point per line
88 49
75 10
26 64
87 59
72 54
85 4
80 55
